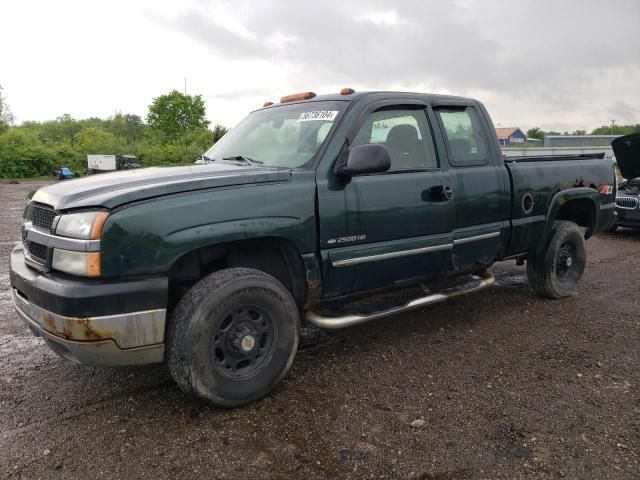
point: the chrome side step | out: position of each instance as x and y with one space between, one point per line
478 283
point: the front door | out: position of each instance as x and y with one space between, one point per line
387 229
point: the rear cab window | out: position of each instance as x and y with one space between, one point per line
465 135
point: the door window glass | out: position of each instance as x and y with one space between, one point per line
465 135
406 135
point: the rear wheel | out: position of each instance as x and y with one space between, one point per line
555 272
233 337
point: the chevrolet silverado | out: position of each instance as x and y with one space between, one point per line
302 209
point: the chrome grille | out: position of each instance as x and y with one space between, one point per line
40 215
627 202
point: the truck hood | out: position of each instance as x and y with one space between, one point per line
113 189
627 152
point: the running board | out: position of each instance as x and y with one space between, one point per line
477 283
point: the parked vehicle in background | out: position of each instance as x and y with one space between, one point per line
627 151
65 173
306 206
111 163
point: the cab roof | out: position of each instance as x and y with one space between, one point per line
380 94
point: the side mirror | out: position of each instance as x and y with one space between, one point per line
362 159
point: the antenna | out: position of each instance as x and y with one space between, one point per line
185 127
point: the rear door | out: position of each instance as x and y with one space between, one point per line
386 229
479 183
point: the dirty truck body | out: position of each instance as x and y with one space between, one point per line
308 202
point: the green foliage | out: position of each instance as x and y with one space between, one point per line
218 132
616 129
174 115
23 155
39 148
603 130
535 132
6 117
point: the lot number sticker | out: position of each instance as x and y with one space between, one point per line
323 115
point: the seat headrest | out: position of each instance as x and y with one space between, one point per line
402 138
460 148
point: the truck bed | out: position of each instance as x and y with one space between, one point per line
540 179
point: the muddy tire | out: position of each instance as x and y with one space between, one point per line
556 271
233 337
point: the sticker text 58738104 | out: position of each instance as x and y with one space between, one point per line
318 115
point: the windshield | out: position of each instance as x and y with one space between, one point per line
285 136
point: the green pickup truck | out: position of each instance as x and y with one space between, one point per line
304 206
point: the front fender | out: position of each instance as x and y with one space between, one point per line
148 237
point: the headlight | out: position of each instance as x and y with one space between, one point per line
86 225
77 263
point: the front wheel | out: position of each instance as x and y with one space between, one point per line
233 337
556 271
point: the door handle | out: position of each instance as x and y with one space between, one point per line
441 193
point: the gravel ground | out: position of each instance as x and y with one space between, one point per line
503 385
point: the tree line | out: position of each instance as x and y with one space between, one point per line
538 133
175 131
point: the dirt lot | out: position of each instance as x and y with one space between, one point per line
508 385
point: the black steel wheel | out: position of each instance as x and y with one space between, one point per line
566 265
556 271
233 337
243 342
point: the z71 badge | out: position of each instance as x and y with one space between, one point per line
348 239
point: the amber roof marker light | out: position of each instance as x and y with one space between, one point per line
347 91
297 96
267 104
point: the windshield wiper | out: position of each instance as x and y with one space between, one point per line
244 159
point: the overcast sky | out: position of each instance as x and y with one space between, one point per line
555 64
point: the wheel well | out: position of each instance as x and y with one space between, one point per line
580 211
278 257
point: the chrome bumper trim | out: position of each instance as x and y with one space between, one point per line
114 340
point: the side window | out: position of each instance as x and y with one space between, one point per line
405 133
465 135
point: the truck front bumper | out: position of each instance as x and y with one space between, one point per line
96 323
